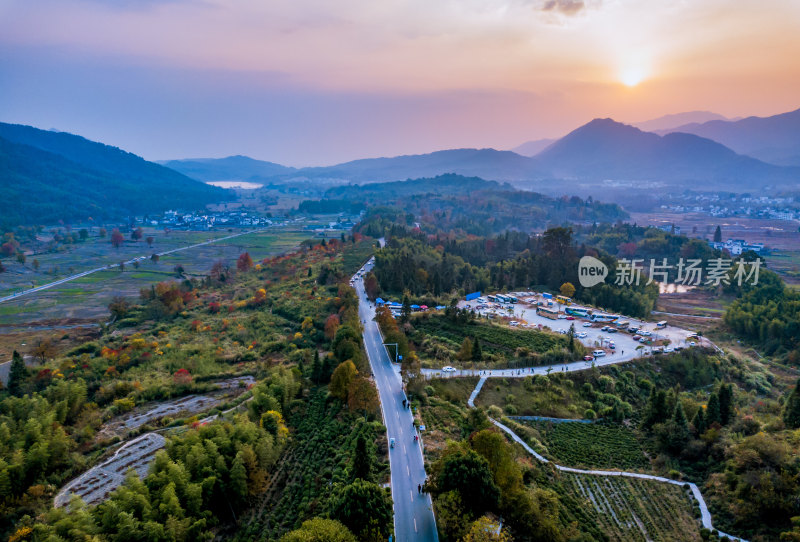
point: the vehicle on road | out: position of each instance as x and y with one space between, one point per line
604 328
448 369
692 343
391 443
645 333
612 346
570 318
587 324
582 335
588 358
637 337
562 316
612 330
599 353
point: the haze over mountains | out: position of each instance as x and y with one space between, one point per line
601 150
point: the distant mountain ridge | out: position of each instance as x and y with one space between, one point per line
51 176
670 122
534 147
606 149
774 139
239 168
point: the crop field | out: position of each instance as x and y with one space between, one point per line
439 339
87 297
590 445
543 396
631 510
317 459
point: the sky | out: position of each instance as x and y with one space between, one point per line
316 82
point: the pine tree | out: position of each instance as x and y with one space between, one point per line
477 353
718 235
405 312
327 368
713 411
316 368
362 466
725 403
791 413
656 411
17 374
699 421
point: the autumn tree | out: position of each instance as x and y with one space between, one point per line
486 530
567 289
342 376
465 353
117 238
331 326
244 262
137 234
119 307
150 239
44 350
36 264
361 396
371 286
102 232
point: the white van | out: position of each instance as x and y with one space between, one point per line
598 353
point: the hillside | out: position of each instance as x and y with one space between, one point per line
232 168
448 184
669 122
774 139
50 176
533 147
605 149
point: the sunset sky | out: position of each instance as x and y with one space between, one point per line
311 82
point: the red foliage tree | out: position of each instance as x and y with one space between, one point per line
117 238
182 377
331 325
245 262
137 234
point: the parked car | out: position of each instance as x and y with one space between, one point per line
599 353
570 317
668 349
587 324
588 358
604 328
645 333
582 335
637 337
612 330
612 346
448 369
562 316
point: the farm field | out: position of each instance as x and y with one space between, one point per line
590 445
87 297
300 486
439 340
631 510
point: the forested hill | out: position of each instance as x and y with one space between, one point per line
50 176
442 184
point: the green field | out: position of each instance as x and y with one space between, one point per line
87 297
590 445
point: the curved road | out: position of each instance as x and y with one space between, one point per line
413 511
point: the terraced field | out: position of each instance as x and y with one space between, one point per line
631 510
591 445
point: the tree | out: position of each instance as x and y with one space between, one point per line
245 262
137 234
342 376
320 530
17 374
21 257
119 307
150 239
486 530
477 353
362 397
83 234
44 350
465 353
117 238
371 286
725 403
362 460
791 412
451 518
154 258
567 289
332 325
699 421
316 368
405 311
102 232
363 507
656 409
718 235
36 264
713 410
469 474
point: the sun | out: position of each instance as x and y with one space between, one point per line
631 76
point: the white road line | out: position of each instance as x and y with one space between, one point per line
415 524
411 494
408 471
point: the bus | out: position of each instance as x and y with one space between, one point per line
512 299
491 298
503 298
623 324
662 324
600 317
580 312
547 313
563 300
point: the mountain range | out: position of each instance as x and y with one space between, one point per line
50 176
239 168
774 139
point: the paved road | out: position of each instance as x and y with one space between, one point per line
116 265
413 513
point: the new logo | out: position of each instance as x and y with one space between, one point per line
591 271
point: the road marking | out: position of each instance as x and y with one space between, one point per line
404 449
408 471
415 524
411 494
